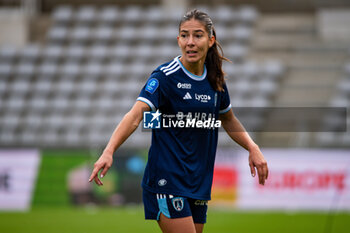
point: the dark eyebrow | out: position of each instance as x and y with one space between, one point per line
199 30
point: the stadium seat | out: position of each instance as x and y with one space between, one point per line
3 90
49 138
169 33
54 121
47 69
65 86
103 34
10 121
109 15
58 34
5 70
166 51
250 69
43 86
143 52
30 53
8 53
59 104
20 86
80 34
273 68
27 68
153 15
173 16
53 52
261 102
265 88
33 121
222 14
147 34
75 52
8 136
223 34
120 51
81 105
128 33
85 14
62 14
241 33
28 137
39 104
114 70
248 14
92 68
236 52
15 103
98 52
70 69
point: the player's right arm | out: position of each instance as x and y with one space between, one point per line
125 128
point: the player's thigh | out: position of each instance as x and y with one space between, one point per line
176 225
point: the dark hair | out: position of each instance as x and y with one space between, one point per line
214 56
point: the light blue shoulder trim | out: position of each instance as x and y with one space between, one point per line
189 74
226 109
148 102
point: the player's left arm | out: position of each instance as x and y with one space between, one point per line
237 132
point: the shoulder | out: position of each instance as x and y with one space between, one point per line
168 68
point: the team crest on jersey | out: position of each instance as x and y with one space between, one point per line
178 203
152 85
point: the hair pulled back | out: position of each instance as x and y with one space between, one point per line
214 58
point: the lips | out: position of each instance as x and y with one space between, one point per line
191 52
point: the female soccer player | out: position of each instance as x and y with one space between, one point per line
179 172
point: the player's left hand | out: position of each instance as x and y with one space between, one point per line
258 163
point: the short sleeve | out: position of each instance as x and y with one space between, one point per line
225 104
151 91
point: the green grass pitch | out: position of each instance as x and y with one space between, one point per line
130 220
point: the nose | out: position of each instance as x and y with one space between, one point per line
190 41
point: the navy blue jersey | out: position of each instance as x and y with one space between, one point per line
181 159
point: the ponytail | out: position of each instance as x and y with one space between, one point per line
213 63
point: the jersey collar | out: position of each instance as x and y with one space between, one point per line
189 74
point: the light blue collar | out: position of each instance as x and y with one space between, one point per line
189 74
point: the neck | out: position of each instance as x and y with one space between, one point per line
196 68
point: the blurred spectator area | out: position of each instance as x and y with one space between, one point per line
72 86
73 89
264 6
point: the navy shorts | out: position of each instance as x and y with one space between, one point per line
174 207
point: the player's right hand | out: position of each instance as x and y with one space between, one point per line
103 163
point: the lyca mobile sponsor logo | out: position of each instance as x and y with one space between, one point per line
202 98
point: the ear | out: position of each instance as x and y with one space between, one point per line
178 43
211 41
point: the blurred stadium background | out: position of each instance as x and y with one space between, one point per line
70 70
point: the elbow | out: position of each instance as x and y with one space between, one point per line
133 119
135 124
